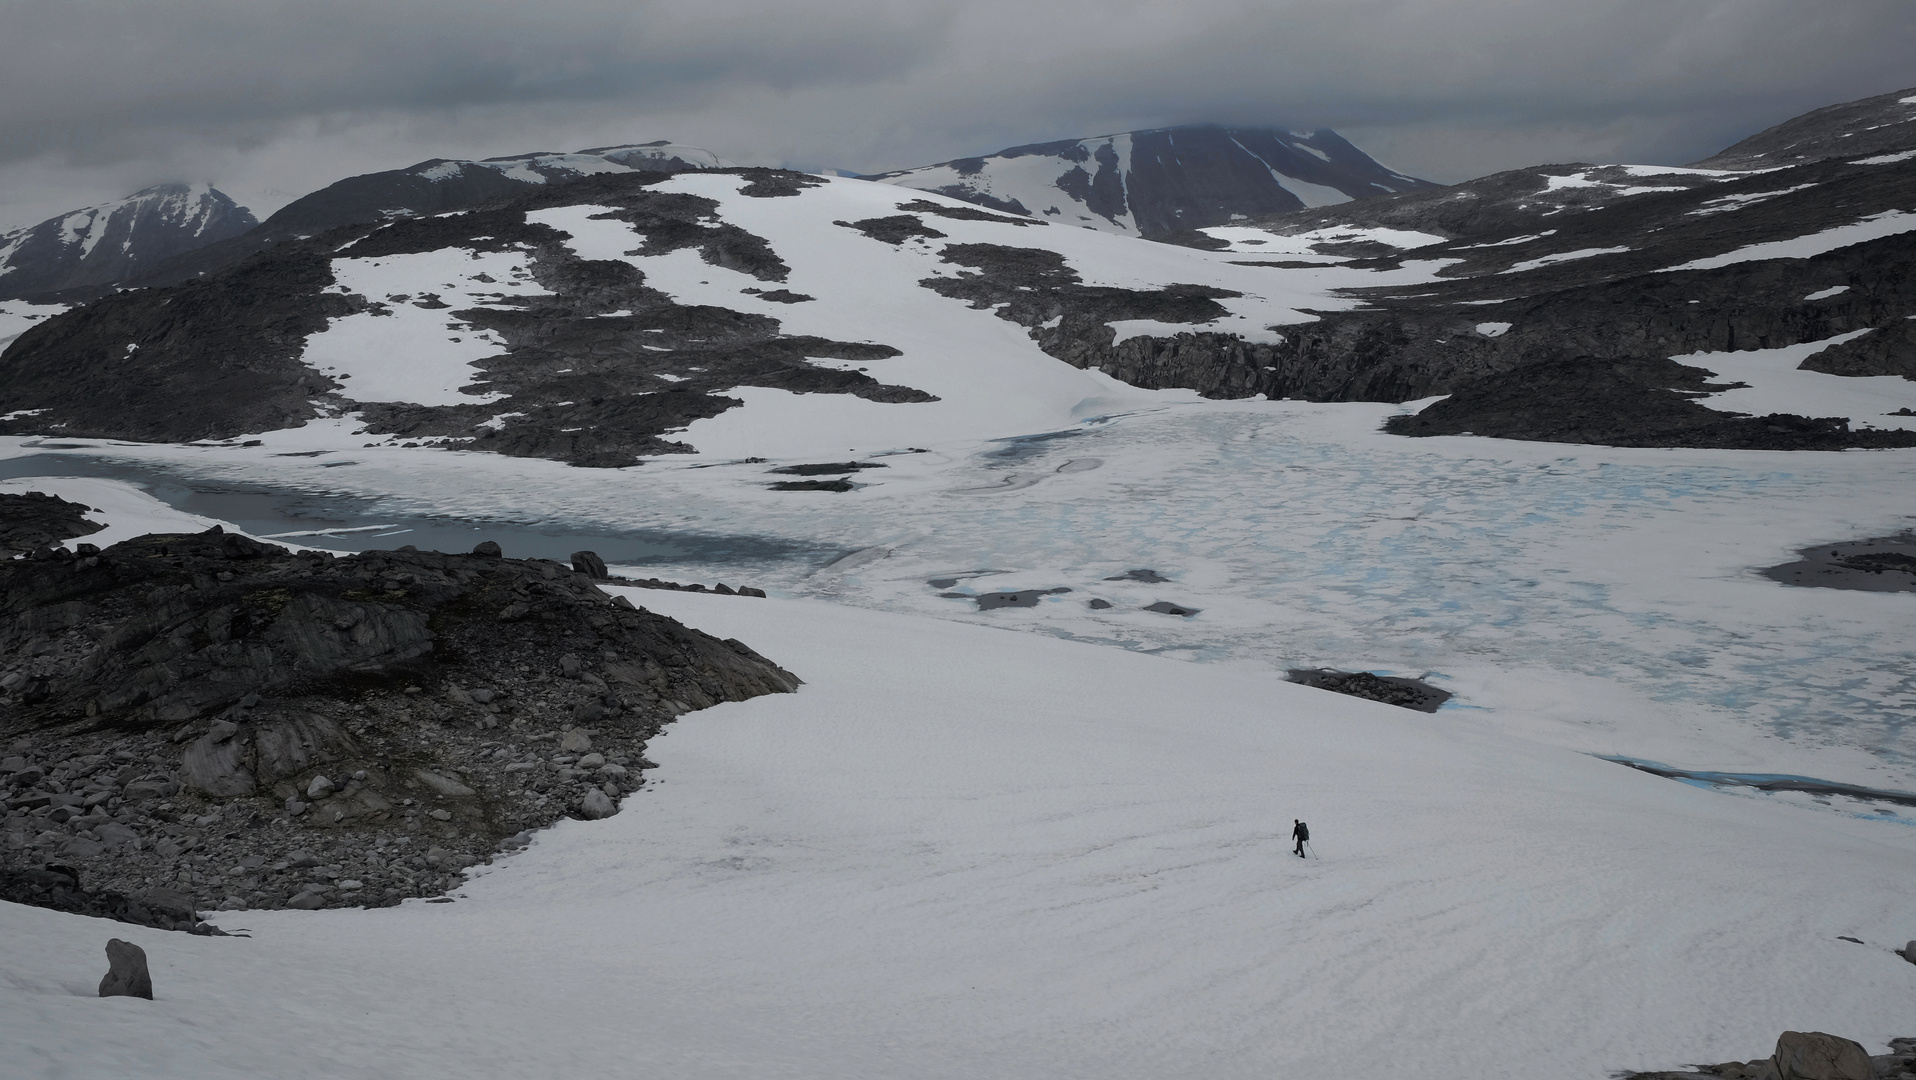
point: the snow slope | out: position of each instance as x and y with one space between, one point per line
867 290
959 853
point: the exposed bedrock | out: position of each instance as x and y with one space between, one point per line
190 712
1628 401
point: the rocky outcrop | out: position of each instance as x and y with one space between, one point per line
1806 1055
127 974
1389 689
1633 401
253 726
35 521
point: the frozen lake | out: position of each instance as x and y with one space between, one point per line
1605 599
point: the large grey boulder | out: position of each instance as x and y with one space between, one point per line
1816 1055
1908 952
126 971
262 752
597 804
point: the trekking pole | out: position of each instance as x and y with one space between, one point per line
1309 848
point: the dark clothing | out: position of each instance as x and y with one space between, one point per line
1301 833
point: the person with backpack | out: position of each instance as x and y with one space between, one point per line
1301 833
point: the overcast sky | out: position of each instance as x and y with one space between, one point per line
270 99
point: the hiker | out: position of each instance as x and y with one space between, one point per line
1301 833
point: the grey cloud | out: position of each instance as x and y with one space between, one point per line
270 97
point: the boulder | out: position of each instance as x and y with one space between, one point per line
576 740
488 549
589 564
126 971
319 788
1908 952
1815 1055
597 804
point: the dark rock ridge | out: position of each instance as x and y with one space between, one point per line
101 245
1389 689
1880 564
1630 401
1882 124
35 521
1069 320
1160 181
595 372
251 726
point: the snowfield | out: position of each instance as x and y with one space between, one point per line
958 853
1061 851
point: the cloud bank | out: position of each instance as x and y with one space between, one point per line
274 98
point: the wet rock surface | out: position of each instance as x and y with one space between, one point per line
1883 564
1389 689
239 725
34 520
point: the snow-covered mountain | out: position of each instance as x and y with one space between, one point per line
601 315
1163 180
439 185
100 245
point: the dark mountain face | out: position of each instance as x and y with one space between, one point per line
113 242
1152 183
1878 125
439 186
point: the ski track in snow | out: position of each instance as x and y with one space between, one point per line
956 854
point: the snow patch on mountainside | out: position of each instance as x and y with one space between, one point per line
18 316
1778 386
1873 227
402 351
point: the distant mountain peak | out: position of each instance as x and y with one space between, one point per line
100 245
1158 181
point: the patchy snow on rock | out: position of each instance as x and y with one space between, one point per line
400 351
1725 203
1777 385
867 290
1825 294
1562 256
1873 227
1493 329
18 316
1886 159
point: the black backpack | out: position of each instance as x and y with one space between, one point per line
1303 831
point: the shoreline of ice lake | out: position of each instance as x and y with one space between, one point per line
1608 600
